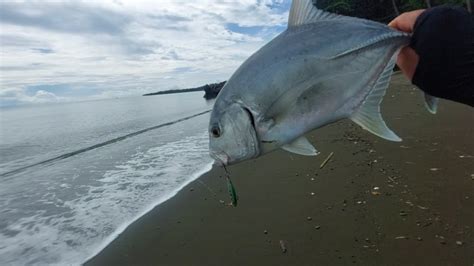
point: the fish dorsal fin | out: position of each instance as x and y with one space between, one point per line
431 103
368 115
305 12
301 146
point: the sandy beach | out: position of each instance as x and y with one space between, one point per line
375 202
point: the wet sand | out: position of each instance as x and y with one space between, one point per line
374 203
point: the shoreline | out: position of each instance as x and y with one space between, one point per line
375 202
146 210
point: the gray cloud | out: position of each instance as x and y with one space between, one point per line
18 41
99 24
168 22
171 55
32 66
103 48
63 17
43 50
168 17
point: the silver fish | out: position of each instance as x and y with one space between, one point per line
323 68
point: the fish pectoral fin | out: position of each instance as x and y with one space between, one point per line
305 12
431 103
301 146
368 115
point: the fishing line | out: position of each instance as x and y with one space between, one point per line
214 194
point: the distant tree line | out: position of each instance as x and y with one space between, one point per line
383 10
210 90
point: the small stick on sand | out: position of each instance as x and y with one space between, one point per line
283 246
327 160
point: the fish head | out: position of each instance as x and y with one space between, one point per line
232 135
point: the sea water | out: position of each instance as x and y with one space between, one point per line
75 175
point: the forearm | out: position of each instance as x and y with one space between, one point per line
443 38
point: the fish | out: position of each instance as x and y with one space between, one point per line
323 68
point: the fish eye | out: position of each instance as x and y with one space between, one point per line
216 131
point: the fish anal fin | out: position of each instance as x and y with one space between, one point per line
301 146
368 114
431 103
305 12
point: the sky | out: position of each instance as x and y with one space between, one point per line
59 51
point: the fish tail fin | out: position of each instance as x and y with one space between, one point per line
431 103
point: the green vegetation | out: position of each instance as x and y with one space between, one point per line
382 10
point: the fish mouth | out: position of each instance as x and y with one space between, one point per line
220 159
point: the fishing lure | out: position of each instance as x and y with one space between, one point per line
231 189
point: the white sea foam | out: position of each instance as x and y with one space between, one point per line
74 218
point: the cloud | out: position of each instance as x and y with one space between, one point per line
43 50
45 97
18 96
106 48
63 17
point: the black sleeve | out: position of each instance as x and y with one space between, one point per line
443 37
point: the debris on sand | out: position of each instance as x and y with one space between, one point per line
442 240
459 243
434 169
392 179
283 246
401 237
326 160
427 224
375 191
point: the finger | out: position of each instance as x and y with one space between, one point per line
401 23
394 24
406 21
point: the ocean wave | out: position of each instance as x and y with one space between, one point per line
73 221
98 145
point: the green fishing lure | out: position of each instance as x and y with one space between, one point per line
231 189
232 192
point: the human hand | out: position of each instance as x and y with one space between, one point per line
408 59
